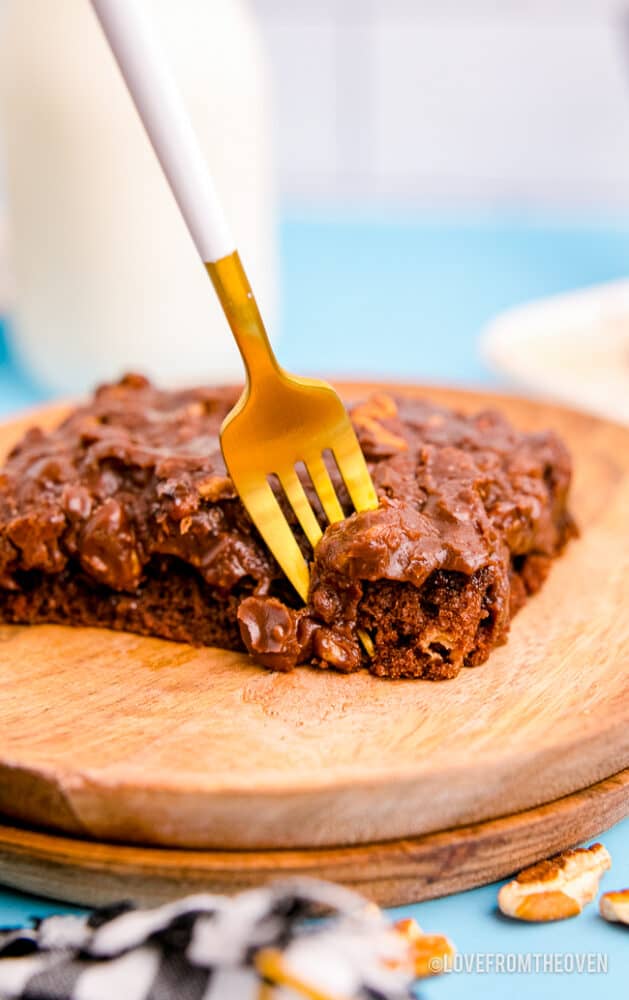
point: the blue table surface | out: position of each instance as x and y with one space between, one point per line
407 298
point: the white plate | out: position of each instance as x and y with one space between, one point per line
573 348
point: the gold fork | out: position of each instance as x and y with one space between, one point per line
280 420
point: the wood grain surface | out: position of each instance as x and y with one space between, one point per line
392 874
138 740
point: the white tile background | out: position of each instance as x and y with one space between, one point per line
523 102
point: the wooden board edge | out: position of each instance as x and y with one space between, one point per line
394 873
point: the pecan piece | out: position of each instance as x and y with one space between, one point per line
557 888
215 488
430 954
614 906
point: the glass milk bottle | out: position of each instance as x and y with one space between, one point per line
106 278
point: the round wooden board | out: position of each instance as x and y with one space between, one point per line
391 874
136 740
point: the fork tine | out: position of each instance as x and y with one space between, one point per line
324 488
268 518
353 468
298 500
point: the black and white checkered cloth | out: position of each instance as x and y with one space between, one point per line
211 948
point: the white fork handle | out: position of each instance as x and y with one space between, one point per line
154 92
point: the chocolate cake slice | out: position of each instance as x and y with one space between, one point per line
125 517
